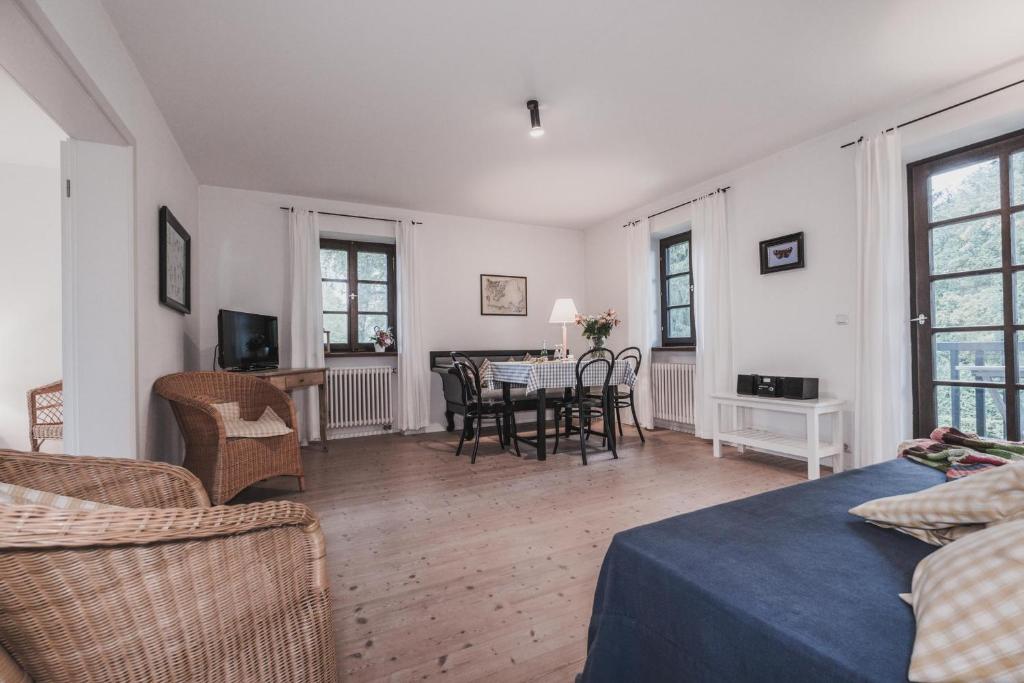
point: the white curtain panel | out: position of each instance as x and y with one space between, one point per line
413 375
307 326
882 397
640 313
712 298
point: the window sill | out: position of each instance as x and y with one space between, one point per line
359 354
673 348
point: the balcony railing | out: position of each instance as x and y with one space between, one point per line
967 364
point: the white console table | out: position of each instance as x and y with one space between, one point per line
810 448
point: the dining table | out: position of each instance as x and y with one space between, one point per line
539 377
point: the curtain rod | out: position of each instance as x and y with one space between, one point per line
677 206
940 111
350 215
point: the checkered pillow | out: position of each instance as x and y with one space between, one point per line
968 599
12 494
942 514
268 424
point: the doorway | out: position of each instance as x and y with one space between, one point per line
967 265
31 397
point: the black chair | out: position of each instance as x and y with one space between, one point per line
587 407
634 357
479 409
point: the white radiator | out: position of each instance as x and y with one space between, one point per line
359 397
673 385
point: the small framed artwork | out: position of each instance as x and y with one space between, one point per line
502 295
175 263
782 253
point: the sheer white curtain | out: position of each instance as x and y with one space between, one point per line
640 314
307 328
882 397
413 375
712 306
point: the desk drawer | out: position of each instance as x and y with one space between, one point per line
305 379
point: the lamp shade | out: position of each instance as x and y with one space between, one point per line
564 311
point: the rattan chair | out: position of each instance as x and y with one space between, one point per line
167 590
226 466
45 414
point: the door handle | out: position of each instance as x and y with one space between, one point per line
920 320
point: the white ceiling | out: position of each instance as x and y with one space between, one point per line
422 104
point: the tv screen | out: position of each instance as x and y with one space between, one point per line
248 341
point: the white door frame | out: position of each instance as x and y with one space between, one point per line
98 299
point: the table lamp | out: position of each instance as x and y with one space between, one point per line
564 311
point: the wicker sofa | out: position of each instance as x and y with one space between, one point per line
226 466
169 589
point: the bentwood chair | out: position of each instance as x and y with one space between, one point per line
162 587
634 357
588 407
479 409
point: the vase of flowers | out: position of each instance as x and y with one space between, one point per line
596 328
382 338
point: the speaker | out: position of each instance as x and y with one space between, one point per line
769 386
746 385
800 387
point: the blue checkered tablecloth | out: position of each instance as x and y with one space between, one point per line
553 374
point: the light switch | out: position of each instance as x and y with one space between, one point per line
842 319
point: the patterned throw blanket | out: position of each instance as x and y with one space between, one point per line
959 454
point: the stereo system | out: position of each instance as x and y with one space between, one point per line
778 387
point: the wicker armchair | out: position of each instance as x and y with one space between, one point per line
45 414
170 590
226 466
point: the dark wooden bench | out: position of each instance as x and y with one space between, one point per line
451 383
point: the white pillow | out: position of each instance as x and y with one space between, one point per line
968 599
12 494
268 424
942 514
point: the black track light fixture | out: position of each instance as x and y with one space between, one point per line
536 130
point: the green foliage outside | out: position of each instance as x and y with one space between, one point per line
975 299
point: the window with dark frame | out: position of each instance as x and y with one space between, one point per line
358 280
676 279
967 247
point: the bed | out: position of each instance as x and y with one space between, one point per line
782 586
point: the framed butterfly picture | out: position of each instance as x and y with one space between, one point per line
782 253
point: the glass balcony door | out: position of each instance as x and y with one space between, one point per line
967 245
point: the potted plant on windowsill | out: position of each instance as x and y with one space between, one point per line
596 328
382 339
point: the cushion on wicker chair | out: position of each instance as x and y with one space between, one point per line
48 431
268 424
12 494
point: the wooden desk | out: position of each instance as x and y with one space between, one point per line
290 379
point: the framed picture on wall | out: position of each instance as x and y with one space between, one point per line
175 263
502 295
782 253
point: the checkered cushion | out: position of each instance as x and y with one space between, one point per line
48 431
942 514
968 599
268 424
12 494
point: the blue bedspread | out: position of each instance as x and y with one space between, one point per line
782 586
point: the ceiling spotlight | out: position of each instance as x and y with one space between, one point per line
536 130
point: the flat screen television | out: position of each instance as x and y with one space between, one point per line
247 341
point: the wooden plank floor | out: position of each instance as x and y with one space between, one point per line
445 570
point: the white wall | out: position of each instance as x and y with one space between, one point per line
245 267
166 341
785 323
30 327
